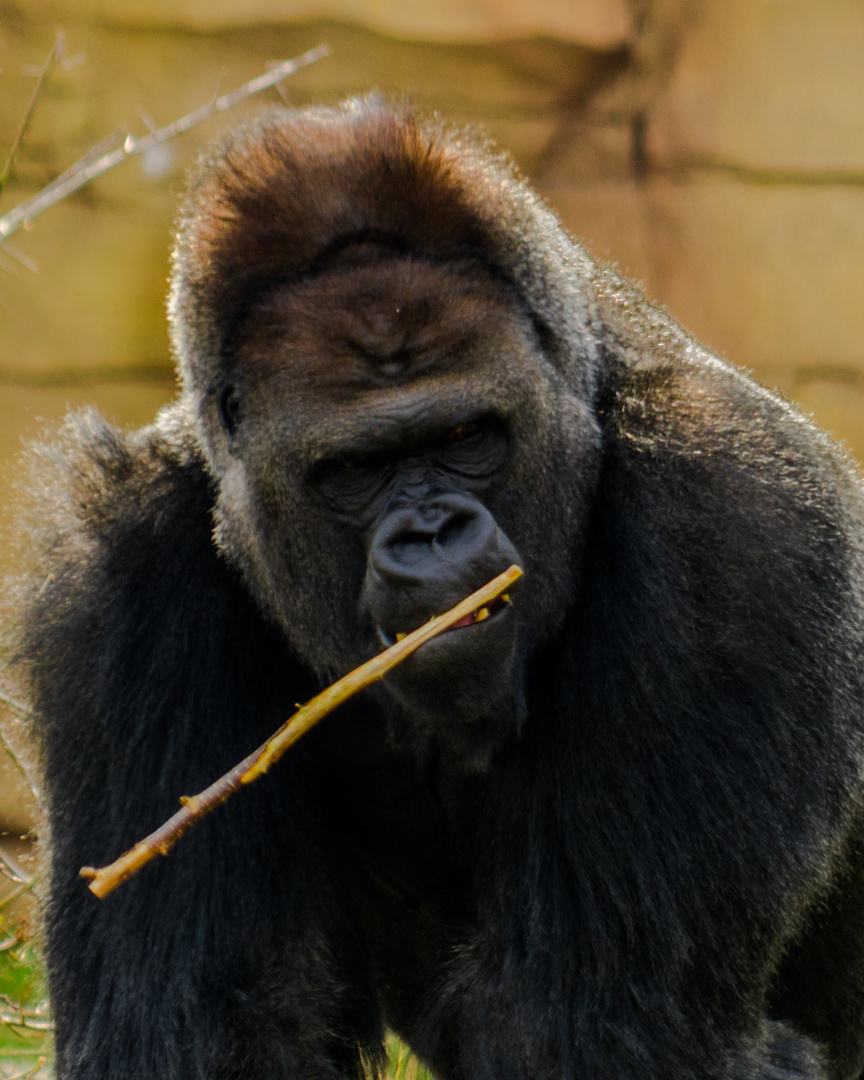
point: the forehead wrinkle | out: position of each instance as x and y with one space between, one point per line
396 424
430 316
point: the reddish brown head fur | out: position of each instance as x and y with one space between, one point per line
283 196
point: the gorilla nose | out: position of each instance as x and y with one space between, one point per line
433 538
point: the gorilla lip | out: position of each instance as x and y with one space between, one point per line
481 614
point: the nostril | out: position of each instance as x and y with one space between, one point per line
425 555
453 530
411 546
415 542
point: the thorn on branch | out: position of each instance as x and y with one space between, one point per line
146 121
90 166
19 257
42 76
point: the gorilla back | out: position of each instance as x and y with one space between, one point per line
608 829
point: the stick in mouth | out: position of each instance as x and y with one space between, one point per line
479 615
475 608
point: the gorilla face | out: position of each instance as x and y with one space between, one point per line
372 429
429 540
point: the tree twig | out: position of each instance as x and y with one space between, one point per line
10 868
23 713
86 169
11 897
41 80
195 807
30 1074
14 704
16 1015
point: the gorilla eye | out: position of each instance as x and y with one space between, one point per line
460 434
475 449
229 409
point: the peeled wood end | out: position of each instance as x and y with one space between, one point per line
108 878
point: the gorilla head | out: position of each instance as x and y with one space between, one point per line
380 406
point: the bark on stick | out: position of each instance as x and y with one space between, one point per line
194 807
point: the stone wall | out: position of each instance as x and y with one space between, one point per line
714 150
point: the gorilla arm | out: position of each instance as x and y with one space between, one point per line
681 795
153 671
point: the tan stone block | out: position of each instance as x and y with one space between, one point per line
777 84
599 23
769 276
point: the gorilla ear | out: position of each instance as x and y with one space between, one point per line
229 409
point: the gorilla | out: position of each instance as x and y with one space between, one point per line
608 830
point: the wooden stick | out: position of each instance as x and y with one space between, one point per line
195 807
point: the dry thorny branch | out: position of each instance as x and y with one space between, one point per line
41 80
101 158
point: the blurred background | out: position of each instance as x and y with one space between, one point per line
713 149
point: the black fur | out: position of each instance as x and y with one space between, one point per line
639 859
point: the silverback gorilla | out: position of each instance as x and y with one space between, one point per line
613 831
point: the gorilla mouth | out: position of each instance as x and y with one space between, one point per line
480 615
462 675
488 611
